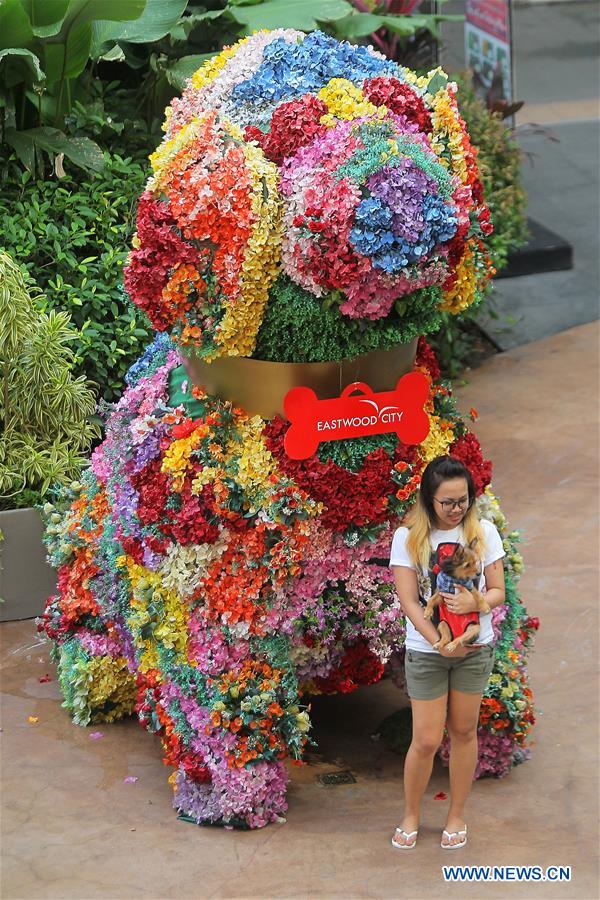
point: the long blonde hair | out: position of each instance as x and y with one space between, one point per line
421 518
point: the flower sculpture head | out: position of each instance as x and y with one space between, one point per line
305 173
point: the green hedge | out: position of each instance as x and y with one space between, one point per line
73 235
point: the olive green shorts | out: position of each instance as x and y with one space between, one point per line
431 675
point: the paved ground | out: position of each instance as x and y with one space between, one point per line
73 829
557 75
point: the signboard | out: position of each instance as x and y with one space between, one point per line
488 45
347 416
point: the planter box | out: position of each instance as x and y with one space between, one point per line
26 579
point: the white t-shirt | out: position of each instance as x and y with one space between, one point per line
399 557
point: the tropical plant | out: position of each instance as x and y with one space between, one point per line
45 46
45 426
345 19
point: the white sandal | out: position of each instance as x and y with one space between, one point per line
407 834
450 834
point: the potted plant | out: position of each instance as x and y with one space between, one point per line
45 432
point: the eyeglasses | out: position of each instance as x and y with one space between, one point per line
449 505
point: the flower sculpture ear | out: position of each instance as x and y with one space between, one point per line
208 238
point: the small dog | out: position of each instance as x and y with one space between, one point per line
457 629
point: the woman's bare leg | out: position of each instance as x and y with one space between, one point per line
428 720
463 718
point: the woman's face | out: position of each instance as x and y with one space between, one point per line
454 489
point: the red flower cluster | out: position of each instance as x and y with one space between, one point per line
152 488
456 249
176 752
351 498
468 449
190 524
358 665
426 359
399 98
149 267
293 125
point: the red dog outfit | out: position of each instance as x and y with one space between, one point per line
457 622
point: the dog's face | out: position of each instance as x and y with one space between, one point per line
464 563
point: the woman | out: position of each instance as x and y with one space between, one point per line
445 687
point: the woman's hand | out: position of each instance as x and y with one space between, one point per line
458 653
463 602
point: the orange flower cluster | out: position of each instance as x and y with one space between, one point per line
261 733
76 599
180 292
490 707
236 581
251 670
405 475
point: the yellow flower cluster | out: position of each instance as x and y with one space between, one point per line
110 682
254 462
448 134
462 292
437 441
184 566
176 460
238 330
162 158
211 68
208 475
152 602
419 81
345 101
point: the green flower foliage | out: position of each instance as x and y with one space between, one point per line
73 236
45 427
351 454
298 327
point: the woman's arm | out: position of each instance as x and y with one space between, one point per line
495 593
407 589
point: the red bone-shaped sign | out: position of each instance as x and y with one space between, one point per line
314 420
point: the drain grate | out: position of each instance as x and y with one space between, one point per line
333 778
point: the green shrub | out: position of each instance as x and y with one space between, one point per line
73 236
458 341
46 412
499 160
